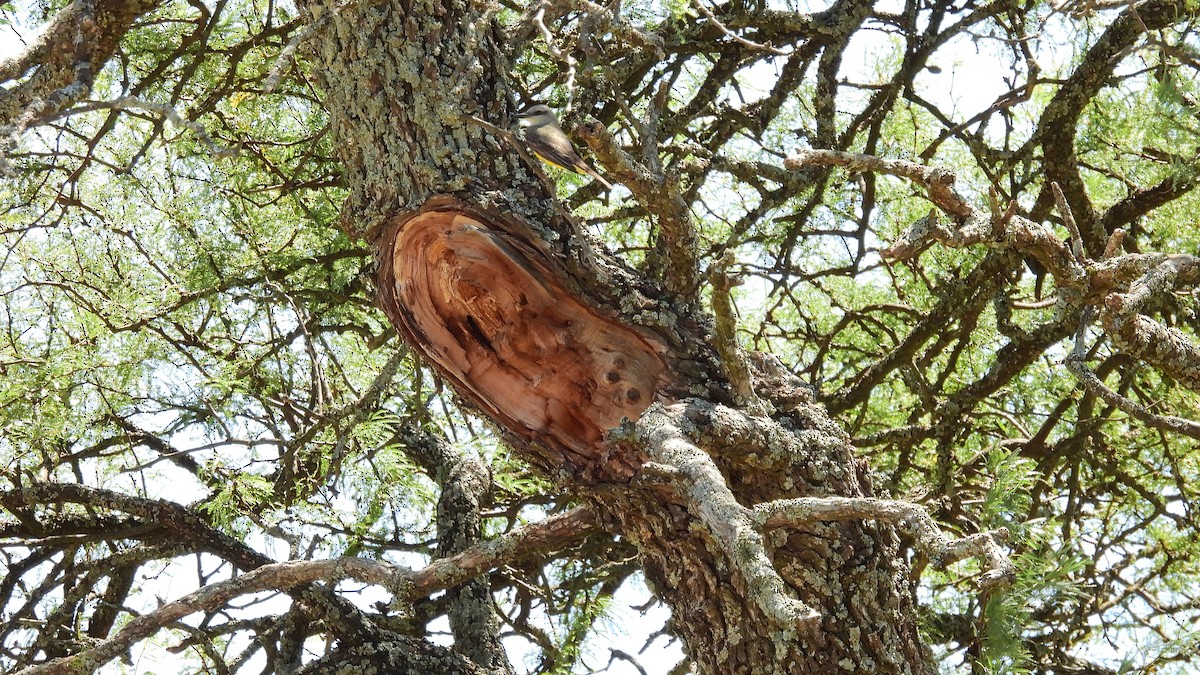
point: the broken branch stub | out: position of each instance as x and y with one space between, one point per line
488 311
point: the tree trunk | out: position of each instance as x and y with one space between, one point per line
493 284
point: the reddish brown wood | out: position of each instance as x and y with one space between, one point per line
488 311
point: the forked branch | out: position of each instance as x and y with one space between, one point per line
659 193
730 524
1077 363
739 531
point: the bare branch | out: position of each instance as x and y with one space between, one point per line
906 516
737 367
998 229
162 110
288 54
1167 348
699 4
602 19
1114 244
661 196
552 534
1064 209
272 577
404 584
565 58
1076 362
938 183
730 524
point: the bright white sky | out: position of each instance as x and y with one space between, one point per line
11 35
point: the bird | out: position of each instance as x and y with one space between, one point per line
548 141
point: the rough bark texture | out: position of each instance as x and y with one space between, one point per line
852 573
465 484
80 40
399 656
401 80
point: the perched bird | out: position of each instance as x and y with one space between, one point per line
547 140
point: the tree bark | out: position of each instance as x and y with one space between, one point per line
464 482
69 52
494 285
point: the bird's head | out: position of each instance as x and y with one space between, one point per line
535 114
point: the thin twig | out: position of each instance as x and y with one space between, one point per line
568 59
161 109
549 535
1040 304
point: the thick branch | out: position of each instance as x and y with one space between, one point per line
465 482
1165 347
399 655
660 195
911 518
529 542
1057 128
730 524
95 27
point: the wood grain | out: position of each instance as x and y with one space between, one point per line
491 315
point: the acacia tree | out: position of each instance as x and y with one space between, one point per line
857 374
